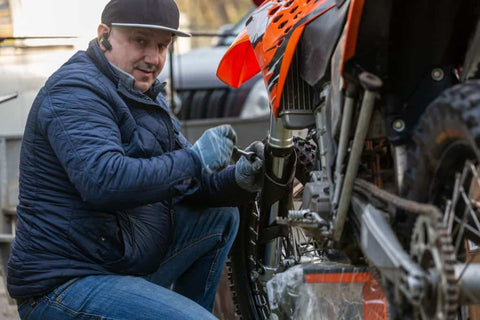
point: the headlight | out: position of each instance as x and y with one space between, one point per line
256 103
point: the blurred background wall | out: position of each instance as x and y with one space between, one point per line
211 15
80 18
25 64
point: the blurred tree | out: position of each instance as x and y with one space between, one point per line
6 29
209 15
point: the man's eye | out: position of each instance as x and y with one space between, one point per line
140 41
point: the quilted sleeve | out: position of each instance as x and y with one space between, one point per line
83 132
220 190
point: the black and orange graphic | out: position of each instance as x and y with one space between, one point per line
271 36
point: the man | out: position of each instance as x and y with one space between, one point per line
115 205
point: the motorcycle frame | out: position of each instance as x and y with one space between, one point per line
371 84
377 237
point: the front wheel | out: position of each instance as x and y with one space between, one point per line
250 298
249 292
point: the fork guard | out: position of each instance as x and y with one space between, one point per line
275 189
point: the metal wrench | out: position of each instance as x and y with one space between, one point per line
247 154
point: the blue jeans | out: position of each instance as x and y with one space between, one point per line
192 268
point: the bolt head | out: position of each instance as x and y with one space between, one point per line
398 125
438 74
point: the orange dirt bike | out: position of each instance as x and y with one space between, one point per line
389 168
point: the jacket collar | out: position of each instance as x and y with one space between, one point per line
124 81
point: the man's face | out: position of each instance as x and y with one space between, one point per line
140 52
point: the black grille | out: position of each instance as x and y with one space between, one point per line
298 97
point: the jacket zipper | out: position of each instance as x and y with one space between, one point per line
171 133
172 224
171 136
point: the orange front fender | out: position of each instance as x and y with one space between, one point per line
239 64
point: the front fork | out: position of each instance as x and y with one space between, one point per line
280 160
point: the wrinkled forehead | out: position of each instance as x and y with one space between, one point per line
148 33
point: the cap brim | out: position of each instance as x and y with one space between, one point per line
152 26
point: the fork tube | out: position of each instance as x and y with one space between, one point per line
280 142
279 137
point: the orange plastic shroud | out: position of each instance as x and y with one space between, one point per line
269 41
273 32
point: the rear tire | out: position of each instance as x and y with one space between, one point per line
448 134
446 138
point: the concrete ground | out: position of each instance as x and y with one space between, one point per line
8 309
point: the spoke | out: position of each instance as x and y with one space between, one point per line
295 248
257 209
474 171
468 227
464 255
447 215
461 231
297 190
470 259
470 209
469 172
451 214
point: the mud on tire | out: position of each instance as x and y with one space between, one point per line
451 121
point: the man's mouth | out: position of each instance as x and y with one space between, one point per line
146 71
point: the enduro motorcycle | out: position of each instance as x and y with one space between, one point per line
388 174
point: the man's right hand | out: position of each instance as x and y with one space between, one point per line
215 147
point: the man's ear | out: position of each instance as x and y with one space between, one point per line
102 32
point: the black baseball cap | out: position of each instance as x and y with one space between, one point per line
154 14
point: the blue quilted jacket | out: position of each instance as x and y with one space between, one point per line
102 167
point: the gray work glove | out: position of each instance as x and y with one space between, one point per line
249 175
215 147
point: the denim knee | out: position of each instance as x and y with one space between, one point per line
232 217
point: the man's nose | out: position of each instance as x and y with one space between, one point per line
152 55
